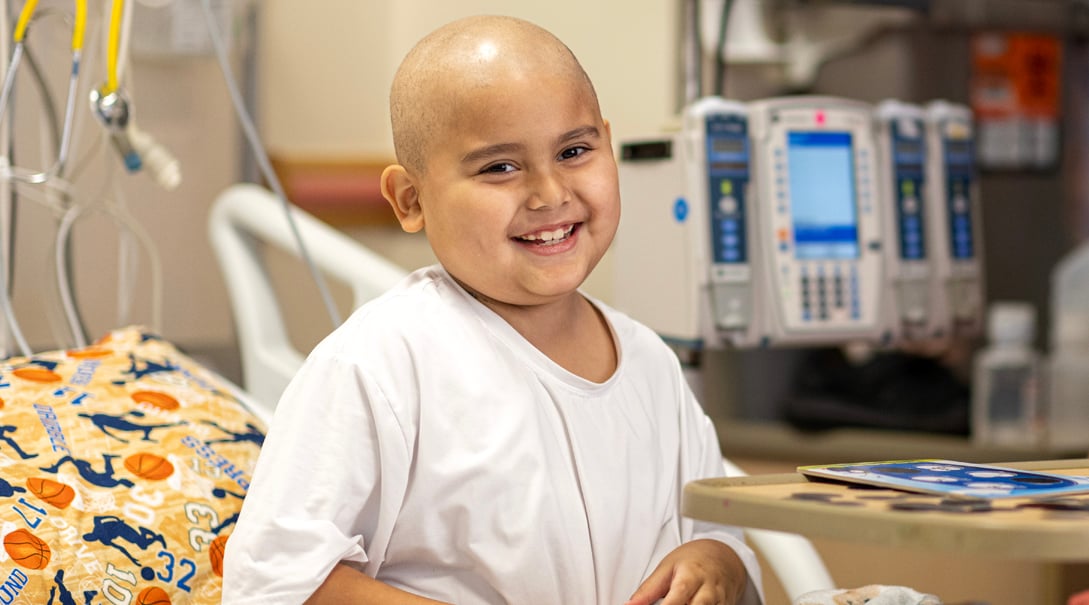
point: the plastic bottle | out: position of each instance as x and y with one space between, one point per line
1006 408
1068 365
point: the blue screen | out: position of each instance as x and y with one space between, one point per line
822 195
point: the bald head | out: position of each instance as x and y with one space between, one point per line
468 55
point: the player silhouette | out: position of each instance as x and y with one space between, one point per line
149 367
11 428
109 528
104 478
105 422
65 594
252 434
7 489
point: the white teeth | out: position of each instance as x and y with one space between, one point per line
549 236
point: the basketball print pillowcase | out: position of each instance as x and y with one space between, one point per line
122 471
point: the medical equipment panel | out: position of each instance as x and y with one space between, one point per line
818 232
954 223
901 144
683 251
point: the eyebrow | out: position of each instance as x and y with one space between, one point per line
482 153
477 155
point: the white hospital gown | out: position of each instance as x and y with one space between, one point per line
431 446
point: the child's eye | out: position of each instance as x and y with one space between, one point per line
572 152
498 168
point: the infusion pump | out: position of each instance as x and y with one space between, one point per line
682 254
902 154
954 224
755 225
818 233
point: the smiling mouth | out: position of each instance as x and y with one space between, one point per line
547 238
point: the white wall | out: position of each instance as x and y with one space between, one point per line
325 89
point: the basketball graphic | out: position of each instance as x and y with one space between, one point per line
152 595
91 352
149 466
27 550
52 492
160 400
215 554
36 374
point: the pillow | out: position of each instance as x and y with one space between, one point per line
122 471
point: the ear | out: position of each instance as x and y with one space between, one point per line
399 189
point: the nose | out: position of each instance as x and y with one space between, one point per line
548 189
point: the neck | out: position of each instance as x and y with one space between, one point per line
570 331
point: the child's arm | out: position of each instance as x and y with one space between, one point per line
347 585
700 571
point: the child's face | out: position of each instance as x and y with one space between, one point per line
520 194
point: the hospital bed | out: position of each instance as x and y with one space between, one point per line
247 219
246 216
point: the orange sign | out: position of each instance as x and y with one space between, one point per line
1016 74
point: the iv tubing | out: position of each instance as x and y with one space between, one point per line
262 158
78 30
80 25
69 113
113 47
125 221
24 20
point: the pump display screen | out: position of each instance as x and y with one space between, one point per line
822 195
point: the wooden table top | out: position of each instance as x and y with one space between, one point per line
1040 529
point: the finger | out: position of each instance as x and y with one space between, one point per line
653 588
681 590
708 595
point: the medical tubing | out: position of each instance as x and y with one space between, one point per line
720 48
78 30
123 48
9 77
24 20
60 253
262 158
7 146
9 312
124 218
113 47
48 102
125 221
693 72
69 114
79 26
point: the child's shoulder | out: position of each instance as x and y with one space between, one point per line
425 298
419 290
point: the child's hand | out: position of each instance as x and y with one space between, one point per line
698 572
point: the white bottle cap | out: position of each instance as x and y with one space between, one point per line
1011 322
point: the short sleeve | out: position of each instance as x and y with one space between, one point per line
326 487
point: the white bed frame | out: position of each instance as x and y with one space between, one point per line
244 217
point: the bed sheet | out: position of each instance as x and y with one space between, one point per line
123 467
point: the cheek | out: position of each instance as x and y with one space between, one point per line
606 204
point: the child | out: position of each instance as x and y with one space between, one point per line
484 433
